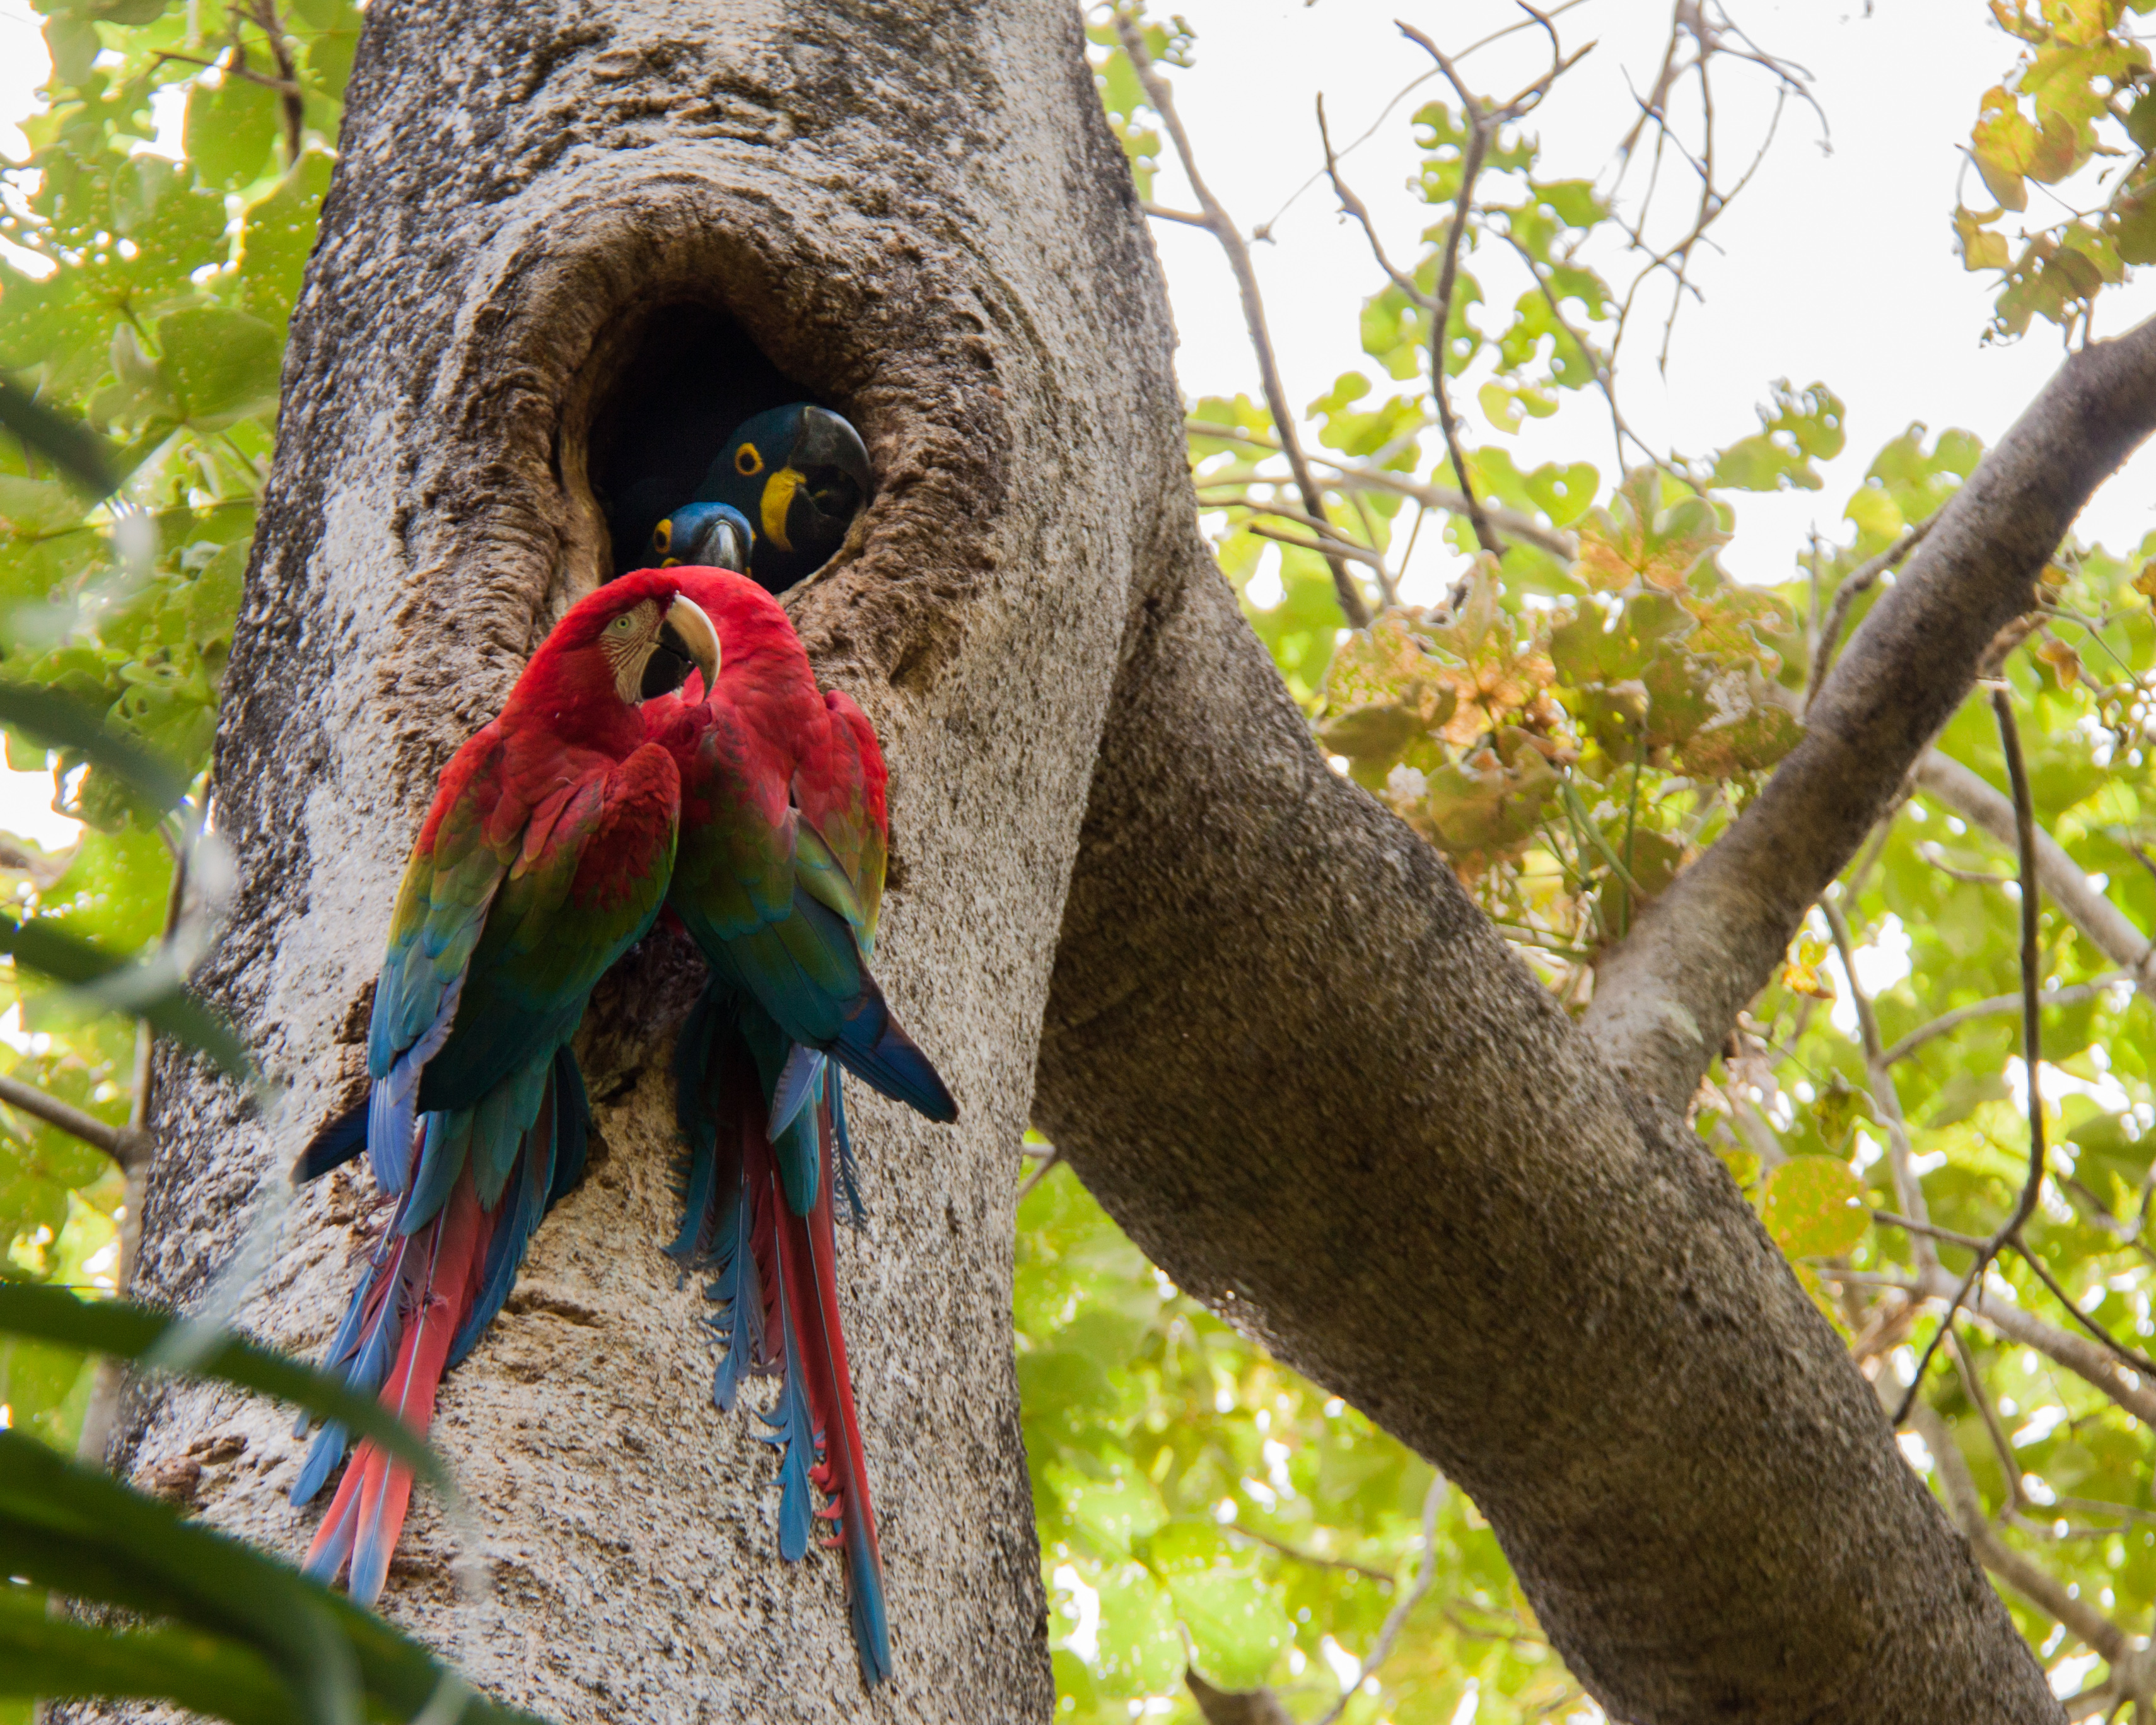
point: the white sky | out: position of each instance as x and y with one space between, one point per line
1837 267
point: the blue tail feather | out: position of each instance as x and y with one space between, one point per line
849 1174
335 1145
393 1110
793 1433
573 1115
441 1160
871 1044
739 1292
797 1081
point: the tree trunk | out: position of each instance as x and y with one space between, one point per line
1279 1043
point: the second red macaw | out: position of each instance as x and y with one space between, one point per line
779 879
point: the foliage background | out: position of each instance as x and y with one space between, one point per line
1570 723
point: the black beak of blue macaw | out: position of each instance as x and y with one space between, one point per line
807 504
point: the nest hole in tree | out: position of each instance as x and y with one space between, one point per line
687 376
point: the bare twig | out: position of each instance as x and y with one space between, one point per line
1355 207
1973 1386
2132 1358
2095 1365
2032 1056
263 15
1996 1004
1860 580
1383 1578
1381 1649
1621 428
1048 1164
1511 523
125 1145
233 65
1908 1190
1224 229
2043 1591
1480 125
2090 910
1325 548
1930 1231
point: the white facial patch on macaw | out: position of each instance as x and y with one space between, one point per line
627 643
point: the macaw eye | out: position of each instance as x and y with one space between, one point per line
662 537
748 463
624 625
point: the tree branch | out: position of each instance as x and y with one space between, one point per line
2045 1592
1216 219
1480 125
2090 1362
2090 910
126 1145
1788 1567
1559 543
1908 1190
1381 1649
1666 998
1947 1022
1860 580
2032 1053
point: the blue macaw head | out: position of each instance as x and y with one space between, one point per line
799 474
708 535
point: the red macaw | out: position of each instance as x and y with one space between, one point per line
779 878
546 856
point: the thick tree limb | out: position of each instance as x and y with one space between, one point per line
1286 1053
1665 1000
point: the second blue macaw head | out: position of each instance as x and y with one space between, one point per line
709 536
799 474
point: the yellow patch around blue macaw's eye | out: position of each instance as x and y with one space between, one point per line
747 462
662 537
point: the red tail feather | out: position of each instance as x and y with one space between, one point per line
441 1281
810 1264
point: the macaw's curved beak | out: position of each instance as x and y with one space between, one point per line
809 504
830 455
687 638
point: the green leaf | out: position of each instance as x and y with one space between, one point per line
140 1332
221 366
56 1658
1962 1095
148 991
84 457
277 232
1139 1651
231 127
73 1530
59 721
1813 1207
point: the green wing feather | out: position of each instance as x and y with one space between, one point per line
574 901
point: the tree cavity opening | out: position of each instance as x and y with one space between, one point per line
691 375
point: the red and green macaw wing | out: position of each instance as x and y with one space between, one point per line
587 882
470 837
734 873
840 787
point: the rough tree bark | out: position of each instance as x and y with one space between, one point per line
1258 1013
